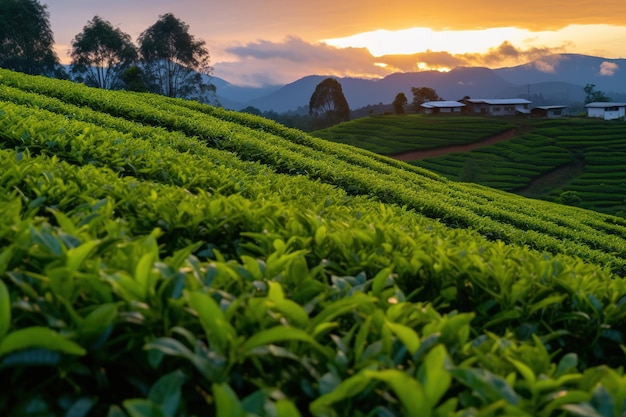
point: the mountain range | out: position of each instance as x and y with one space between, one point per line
553 79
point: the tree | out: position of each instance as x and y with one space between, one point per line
328 105
175 63
399 102
26 39
101 54
592 96
422 95
133 79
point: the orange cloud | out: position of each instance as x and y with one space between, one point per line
269 63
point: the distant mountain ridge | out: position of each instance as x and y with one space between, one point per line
548 80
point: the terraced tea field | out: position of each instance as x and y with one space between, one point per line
577 161
589 154
162 257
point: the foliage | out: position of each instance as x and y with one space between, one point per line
175 63
592 95
26 39
101 54
328 105
133 79
163 257
422 95
399 102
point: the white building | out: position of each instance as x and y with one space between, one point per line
606 110
433 107
551 112
499 106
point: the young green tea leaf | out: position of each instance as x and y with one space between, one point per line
39 337
215 326
226 402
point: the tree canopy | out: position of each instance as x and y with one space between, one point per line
175 63
399 103
101 54
592 95
26 39
328 105
422 95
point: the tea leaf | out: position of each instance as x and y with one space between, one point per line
226 402
276 335
215 326
380 280
76 256
407 335
486 384
526 372
39 337
5 310
285 408
142 408
166 392
409 391
434 376
81 407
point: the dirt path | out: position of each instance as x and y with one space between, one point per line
431 153
554 179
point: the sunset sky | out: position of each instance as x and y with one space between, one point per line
261 42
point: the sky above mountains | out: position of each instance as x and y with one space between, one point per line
254 42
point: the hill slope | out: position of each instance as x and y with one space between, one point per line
163 257
576 158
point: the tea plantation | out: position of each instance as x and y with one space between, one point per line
161 257
577 161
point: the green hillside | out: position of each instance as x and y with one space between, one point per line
576 161
161 257
392 134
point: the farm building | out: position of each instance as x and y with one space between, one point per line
435 107
550 112
606 110
499 106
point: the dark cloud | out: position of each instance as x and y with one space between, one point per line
264 62
506 53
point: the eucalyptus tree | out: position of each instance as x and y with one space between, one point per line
174 62
328 105
26 38
101 54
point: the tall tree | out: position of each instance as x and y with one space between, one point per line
592 95
26 39
175 63
101 53
328 105
422 95
399 102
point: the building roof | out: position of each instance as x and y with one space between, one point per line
500 101
604 104
560 106
441 104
